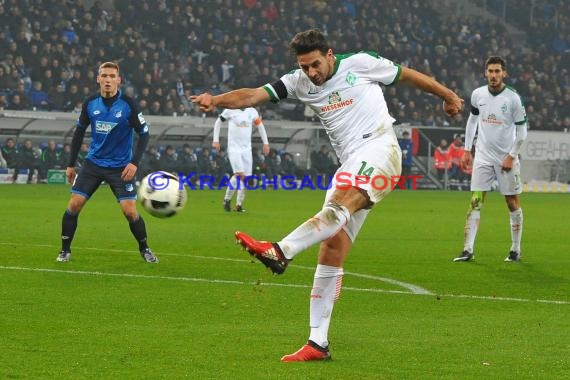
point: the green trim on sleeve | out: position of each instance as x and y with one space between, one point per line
272 95
521 122
398 74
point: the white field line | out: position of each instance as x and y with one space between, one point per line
233 282
412 289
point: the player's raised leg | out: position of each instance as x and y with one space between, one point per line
323 225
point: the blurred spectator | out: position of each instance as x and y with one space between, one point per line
65 155
3 163
150 162
289 167
49 159
322 162
52 43
18 104
28 159
168 161
221 165
5 82
205 166
38 97
442 163
83 150
406 146
57 97
187 159
258 161
455 152
11 156
272 164
3 102
74 97
155 109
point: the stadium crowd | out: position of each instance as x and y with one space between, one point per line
169 50
49 51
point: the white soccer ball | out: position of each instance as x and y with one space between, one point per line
161 195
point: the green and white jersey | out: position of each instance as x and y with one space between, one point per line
240 123
498 116
350 104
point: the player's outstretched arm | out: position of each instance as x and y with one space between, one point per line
452 104
241 98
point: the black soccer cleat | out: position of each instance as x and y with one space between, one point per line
513 256
465 256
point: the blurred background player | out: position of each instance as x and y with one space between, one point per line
344 91
407 146
114 118
499 118
240 127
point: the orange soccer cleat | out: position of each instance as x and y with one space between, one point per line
268 253
309 352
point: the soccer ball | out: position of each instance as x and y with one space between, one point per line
161 195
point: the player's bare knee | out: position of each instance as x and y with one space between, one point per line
512 203
131 215
75 204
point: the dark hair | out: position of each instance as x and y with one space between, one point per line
110 65
308 41
496 59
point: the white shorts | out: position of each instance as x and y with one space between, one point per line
379 158
484 175
241 161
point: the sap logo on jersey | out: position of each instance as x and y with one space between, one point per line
104 126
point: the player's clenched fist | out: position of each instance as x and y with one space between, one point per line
453 106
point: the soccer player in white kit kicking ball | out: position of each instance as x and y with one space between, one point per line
499 117
344 92
240 126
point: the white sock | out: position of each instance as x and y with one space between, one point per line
326 290
516 229
231 189
320 227
471 227
240 196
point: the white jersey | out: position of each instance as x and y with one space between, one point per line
350 104
240 123
499 114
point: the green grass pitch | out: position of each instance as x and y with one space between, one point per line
208 312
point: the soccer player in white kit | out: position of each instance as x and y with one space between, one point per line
344 92
240 126
499 118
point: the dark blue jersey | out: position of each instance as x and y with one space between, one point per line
113 123
406 146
